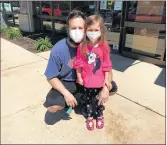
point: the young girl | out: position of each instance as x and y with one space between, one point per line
93 65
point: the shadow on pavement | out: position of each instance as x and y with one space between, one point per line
77 110
161 78
52 118
121 63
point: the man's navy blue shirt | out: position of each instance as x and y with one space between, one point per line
60 64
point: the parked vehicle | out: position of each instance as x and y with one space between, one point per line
46 10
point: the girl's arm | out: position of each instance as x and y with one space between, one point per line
78 64
107 76
107 67
110 76
107 80
79 77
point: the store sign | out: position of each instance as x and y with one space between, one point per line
110 3
91 6
103 5
118 5
115 47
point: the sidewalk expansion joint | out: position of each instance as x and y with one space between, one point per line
40 56
147 108
21 65
34 106
24 109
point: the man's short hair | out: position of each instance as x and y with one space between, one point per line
75 14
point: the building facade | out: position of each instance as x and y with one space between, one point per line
135 29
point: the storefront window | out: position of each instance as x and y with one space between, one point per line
111 12
87 7
149 42
60 8
142 38
11 10
59 11
146 37
147 11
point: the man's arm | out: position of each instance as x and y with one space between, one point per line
57 84
52 72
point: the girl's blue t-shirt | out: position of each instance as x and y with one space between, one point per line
60 63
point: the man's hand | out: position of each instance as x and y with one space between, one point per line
70 99
103 96
80 81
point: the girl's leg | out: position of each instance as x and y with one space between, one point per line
90 124
100 118
96 109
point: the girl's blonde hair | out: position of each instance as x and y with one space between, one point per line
102 39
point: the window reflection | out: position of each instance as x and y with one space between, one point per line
132 11
147 11
111 16
86 7
145 41
60 8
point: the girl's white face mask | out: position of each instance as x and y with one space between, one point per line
93 36
76 35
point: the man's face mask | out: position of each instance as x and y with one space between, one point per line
76 35
93 35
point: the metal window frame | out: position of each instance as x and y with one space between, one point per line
50 17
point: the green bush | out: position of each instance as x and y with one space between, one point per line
3 29
43 44
13 33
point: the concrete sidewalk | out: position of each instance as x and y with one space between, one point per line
136 114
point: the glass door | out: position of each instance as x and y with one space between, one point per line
145 31
111 11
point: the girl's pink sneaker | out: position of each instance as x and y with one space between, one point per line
90 124
100 122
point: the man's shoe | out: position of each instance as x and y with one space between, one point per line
68 110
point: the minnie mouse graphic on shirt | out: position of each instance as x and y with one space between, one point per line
94 59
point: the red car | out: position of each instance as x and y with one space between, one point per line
46 10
